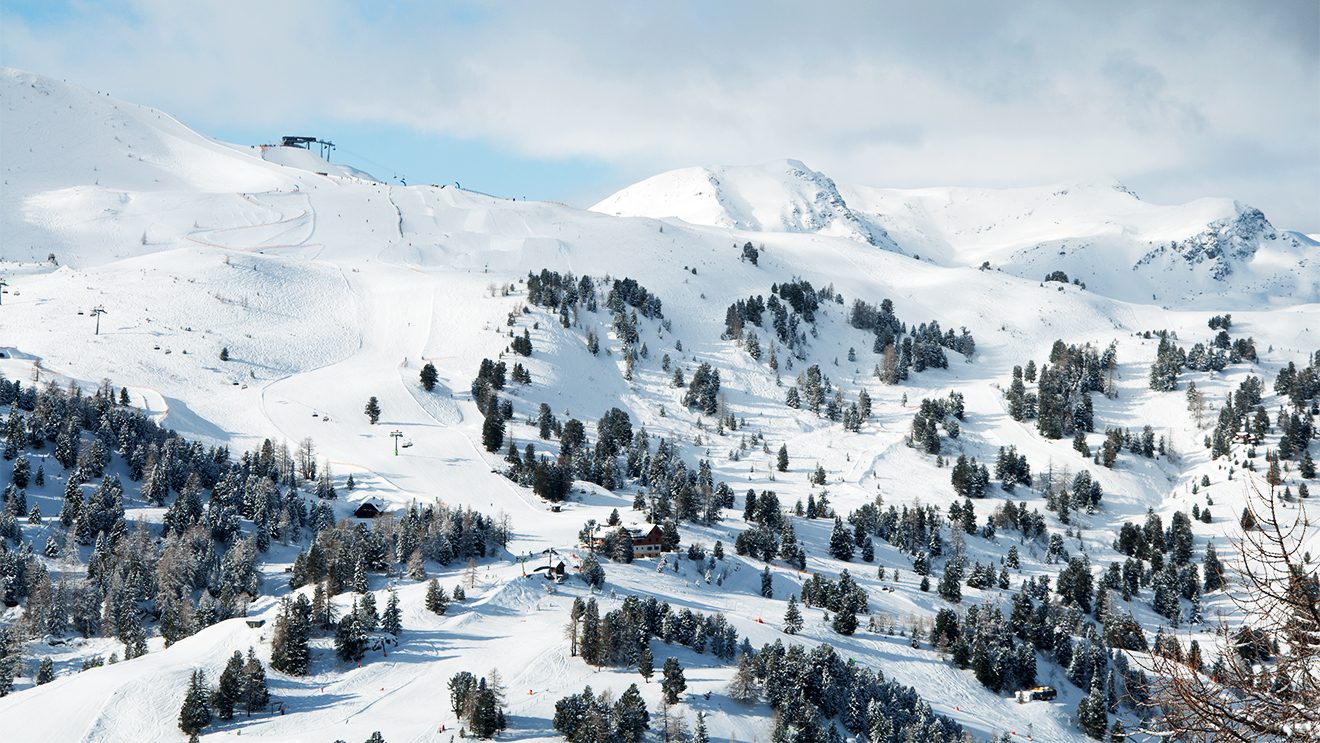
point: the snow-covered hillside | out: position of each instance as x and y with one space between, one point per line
322 291
1194 254
778 197
299 157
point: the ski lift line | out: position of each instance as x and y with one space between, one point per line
397 173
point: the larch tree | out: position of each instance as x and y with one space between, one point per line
1250 698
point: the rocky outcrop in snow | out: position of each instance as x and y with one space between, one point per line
782 196
1223 243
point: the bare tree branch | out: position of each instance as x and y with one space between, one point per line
1265 684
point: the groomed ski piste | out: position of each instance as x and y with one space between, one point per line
329 289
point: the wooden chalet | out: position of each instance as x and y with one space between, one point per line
369 510
646 539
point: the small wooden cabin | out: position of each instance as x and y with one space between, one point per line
646 539
368 510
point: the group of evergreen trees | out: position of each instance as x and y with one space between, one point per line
820 397
1031 524
353 633
562 292
1082 494
971 480
485 389
912 530
521 344
1171 548
201 567
816 691
1059 276
703 391
491 378
790 305
344 554
1295 433
479 702
241 687
982 640
793 304
844 541
931 416
767 543
962 516
290 645
918 350
621 456
843 596
492 426
591 718
625 299
1171 359
621 636
1300 385
1061 405
772 535
628 293
1001 649
1012 468
1242 413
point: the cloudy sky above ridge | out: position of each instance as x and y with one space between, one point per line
571 101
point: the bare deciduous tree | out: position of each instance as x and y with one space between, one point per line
1265 685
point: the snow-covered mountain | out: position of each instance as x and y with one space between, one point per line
783 196
1102 235
323 291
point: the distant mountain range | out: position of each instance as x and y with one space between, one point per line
1103 235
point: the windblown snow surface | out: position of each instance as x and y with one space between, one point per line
1200 254
328 289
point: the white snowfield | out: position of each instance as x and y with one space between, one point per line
1202 253
328 289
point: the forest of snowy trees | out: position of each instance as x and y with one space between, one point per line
201 565
90 571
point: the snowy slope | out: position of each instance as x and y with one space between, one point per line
327 290
303 159
784 196
89 178
1193 254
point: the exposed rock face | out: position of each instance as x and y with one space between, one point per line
1223 243
827 208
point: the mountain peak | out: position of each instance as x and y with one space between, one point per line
777 196
1098 231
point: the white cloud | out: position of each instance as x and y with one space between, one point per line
1178 99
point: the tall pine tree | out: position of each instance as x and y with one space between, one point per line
228 694
195 714
674 683
391 620
792 617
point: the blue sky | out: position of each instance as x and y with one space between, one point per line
387 150
573 100
395 153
